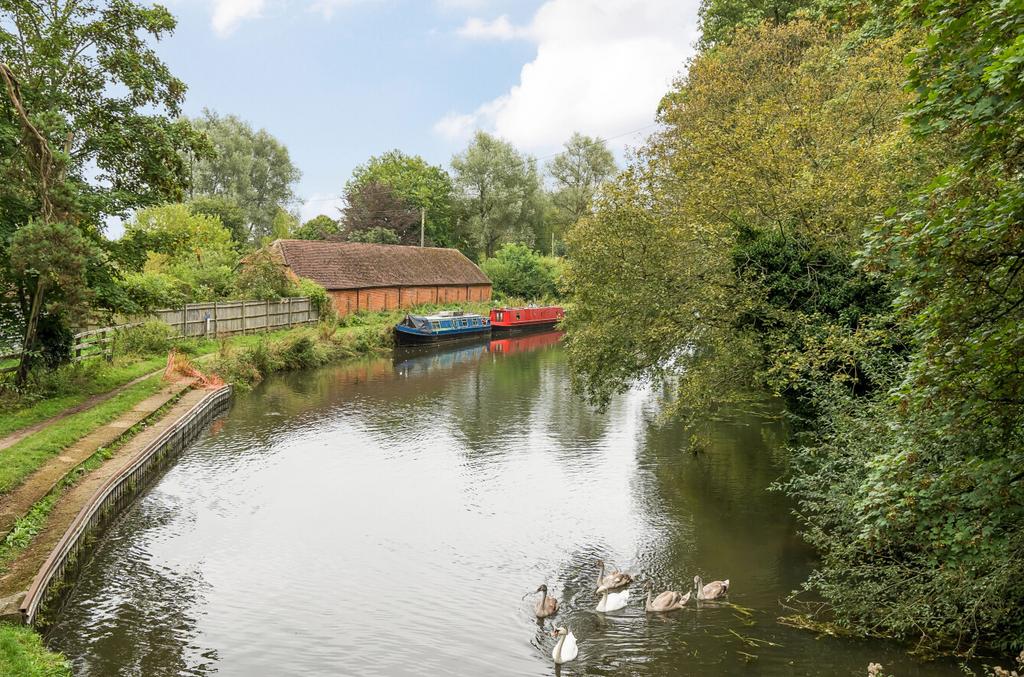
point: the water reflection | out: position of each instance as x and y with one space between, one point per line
386 518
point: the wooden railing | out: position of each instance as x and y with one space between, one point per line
87 344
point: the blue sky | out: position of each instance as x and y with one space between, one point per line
340 80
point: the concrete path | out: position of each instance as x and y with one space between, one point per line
89 403
21 499
16 581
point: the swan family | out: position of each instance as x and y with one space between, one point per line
613 594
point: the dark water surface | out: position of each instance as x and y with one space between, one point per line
386 518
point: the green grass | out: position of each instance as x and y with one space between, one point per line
22 654
20 460
86 380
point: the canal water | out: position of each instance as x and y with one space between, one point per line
387 518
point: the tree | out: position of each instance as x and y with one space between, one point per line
227 211
372 208
195 249
94 113
520 272
248 166
719 19
418 185
320 227
498 192
578 173
50 260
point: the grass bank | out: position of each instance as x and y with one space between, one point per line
22 654
21 459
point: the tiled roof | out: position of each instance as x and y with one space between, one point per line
355 265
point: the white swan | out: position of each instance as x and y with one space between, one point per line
713 590
565 650
613 601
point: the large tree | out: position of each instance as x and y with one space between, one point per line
374 213
415 183
88 112
499 193
578 172
249 166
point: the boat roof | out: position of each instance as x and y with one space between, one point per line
444 315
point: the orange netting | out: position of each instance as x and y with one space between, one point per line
180 365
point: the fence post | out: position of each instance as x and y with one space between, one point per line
266 315
289 312
243 318
216 324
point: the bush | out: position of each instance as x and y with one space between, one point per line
262 278
517 270
317 295
151 337
152 290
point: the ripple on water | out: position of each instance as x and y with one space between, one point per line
365 521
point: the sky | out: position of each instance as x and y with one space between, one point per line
338 81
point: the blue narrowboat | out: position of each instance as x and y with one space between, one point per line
445 326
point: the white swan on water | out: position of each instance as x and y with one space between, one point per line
613 601
566 649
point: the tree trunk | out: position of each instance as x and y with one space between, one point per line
30 333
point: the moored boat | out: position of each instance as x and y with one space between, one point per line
444 326
529 317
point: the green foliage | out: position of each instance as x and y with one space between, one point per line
22 653
320 227
375 235
923 512
317 295
416 184
150 337
55 255
248 166
720 19
518 271
300 349
498 193
187 254
227 211
578 173
262 277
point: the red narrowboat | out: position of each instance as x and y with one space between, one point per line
530 317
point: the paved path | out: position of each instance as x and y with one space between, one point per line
37 485
89 403
16 581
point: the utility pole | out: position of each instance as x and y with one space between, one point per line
423 223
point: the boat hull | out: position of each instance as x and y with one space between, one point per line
522 327
411 338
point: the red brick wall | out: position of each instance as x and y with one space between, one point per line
387 298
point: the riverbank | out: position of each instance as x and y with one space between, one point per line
242 361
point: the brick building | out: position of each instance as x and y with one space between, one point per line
362 276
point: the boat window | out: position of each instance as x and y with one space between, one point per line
435 325
517 316
499 316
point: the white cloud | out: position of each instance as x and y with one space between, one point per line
601 68
498 29
320 203
227 14
327 8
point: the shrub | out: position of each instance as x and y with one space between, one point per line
151 337
263 278
517 270
152 290
317 295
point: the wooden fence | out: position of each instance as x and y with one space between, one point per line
215 318
224 318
